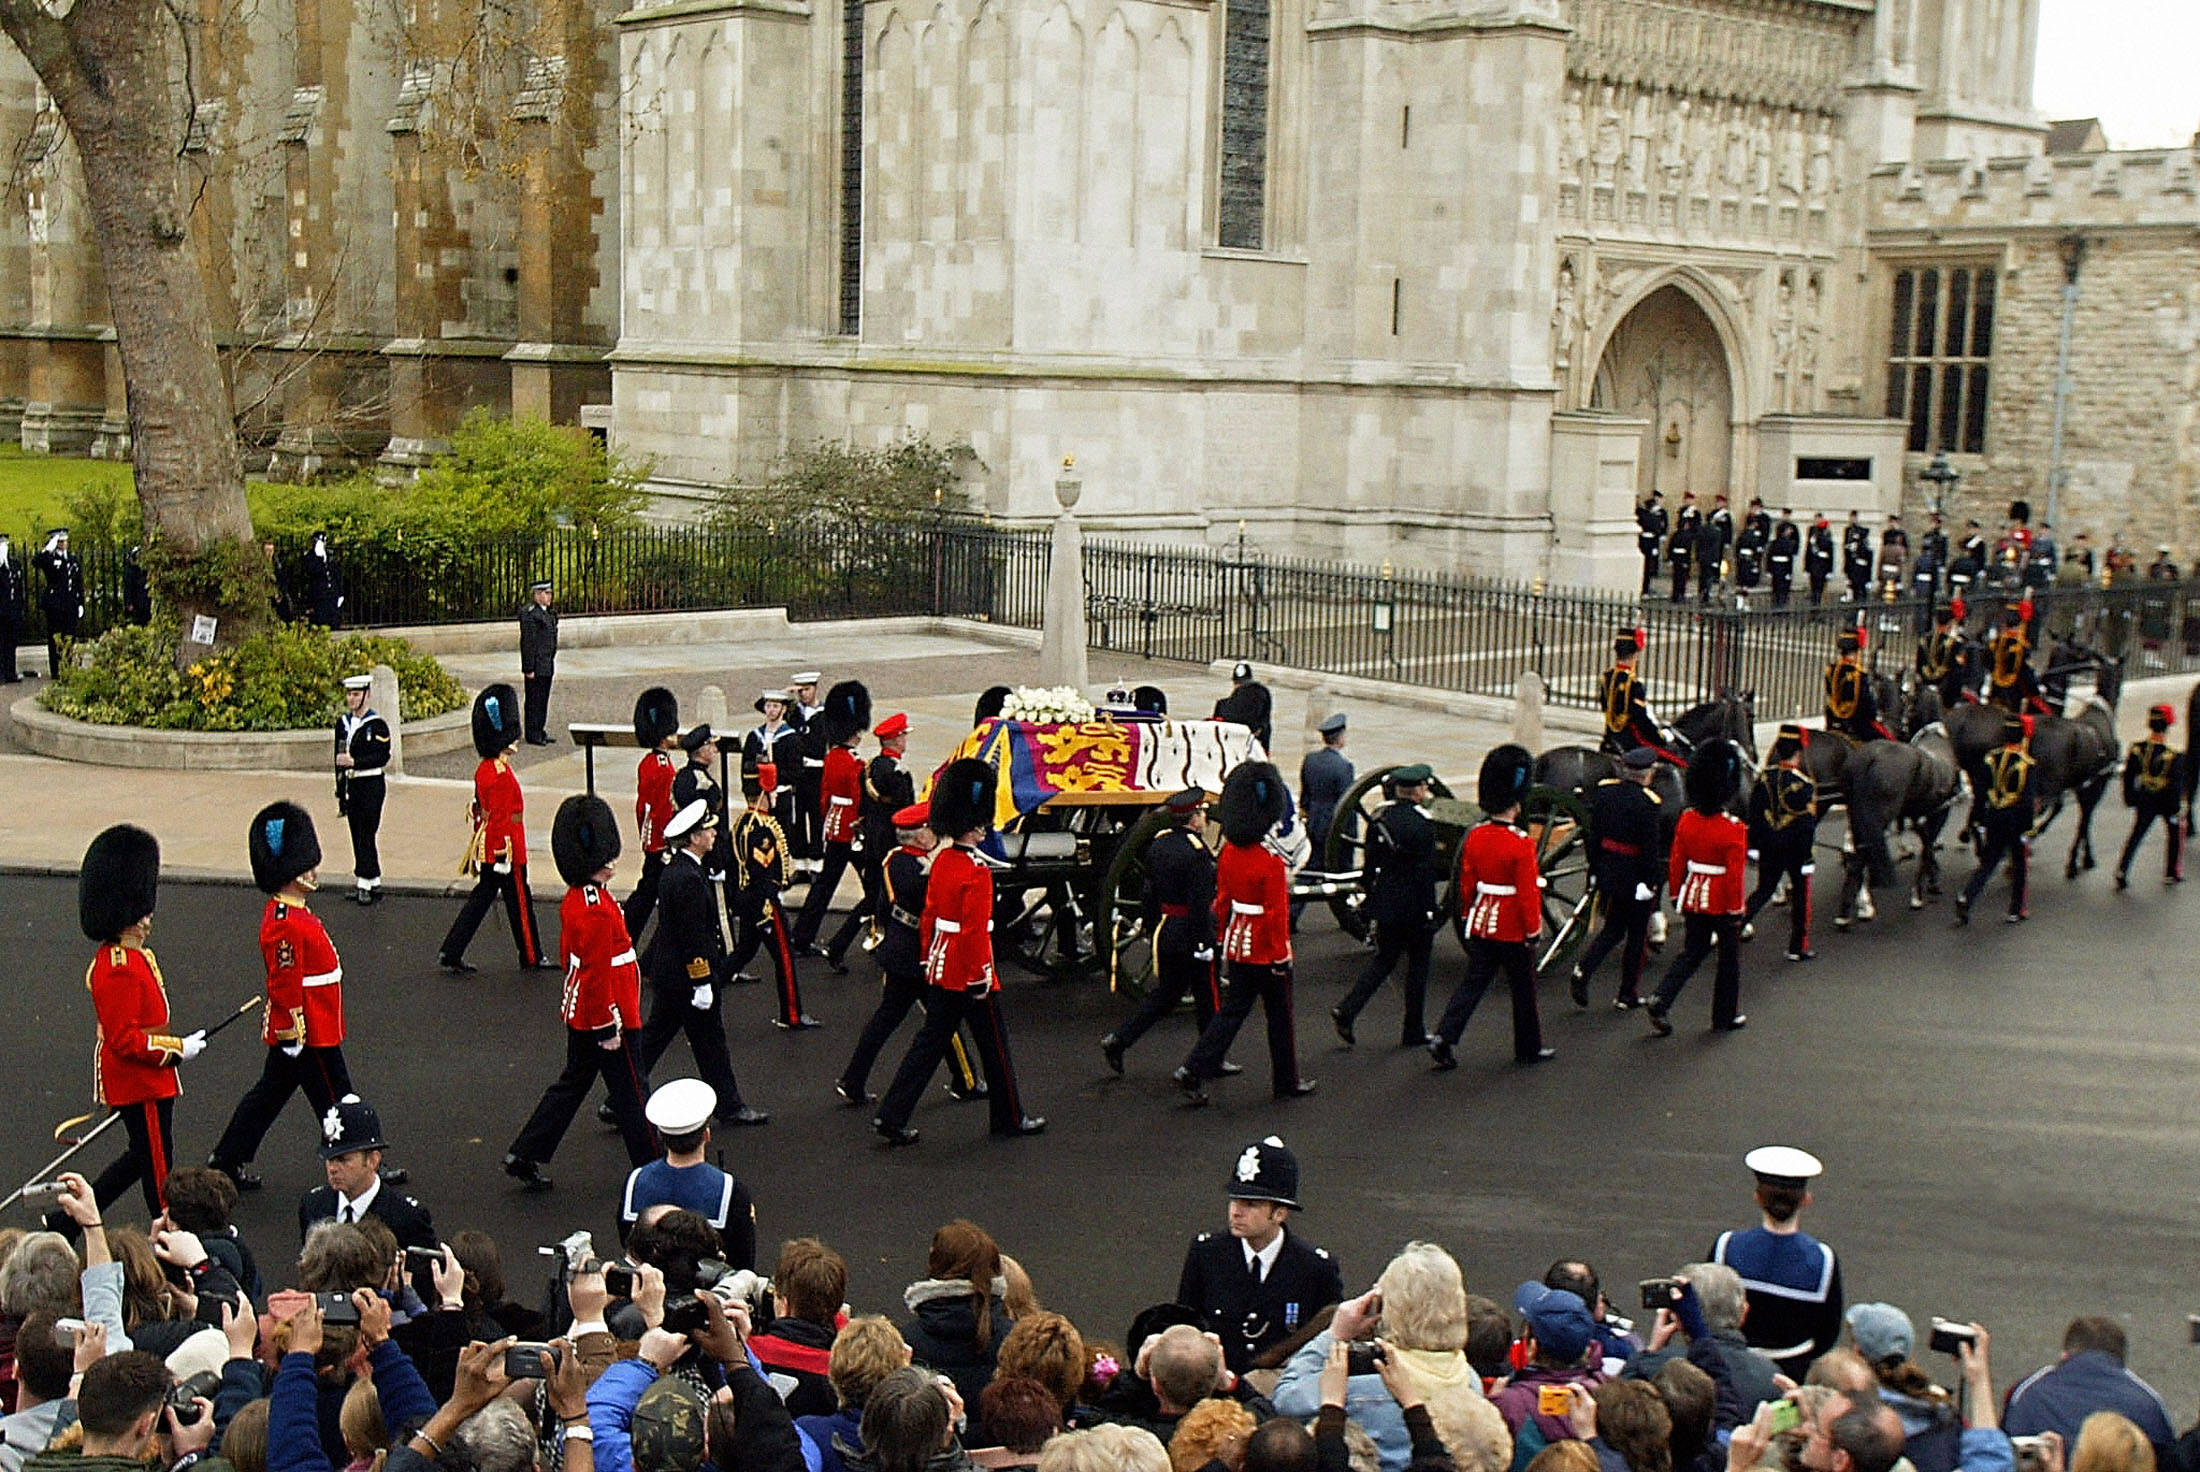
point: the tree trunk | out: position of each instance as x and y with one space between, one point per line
117 78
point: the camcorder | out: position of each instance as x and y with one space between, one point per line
184 1395
1659 1293
572 1254
1948 1336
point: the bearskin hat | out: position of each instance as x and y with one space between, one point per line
1507 774
990 703
656 716
283 845
2021 512
118 882
963 797
583 838
847 712
1151 699
496 721
1714 776
1253 802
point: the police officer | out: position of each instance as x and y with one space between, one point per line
2154 785
538 659
1179 904
843 720
1780 556
14 598
1792 1281
1501 912
1651 525
498 852
1783 830
1749 547
1628 722
1818 558
806 832
1258 1284
1248 704
1680 548
657 733
686 964
2012 802
1708 865
1856 558
1711 544
887 789
352 1146
61 599
1626 837
362 758
1401 902
1852 707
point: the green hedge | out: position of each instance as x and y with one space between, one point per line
284 680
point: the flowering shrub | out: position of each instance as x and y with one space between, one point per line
1058 705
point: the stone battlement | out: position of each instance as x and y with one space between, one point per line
2140 188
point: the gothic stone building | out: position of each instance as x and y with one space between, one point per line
1452 282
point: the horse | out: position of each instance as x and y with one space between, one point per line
1826 758
1891 783
2076 756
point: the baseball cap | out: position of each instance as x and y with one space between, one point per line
1557 1318
1882 1332
666 1432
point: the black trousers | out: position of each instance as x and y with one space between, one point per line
944 1013
2003 841
670 1014
900 992
1175 973
519 910
57 628
2141 820
319 1072
761 918
1783 585
820 898
587 1060
806 833
11 629
1393 943
1859 585
870 871
1818 588
1649 571
1793 863
1679 566
1486 959
536 699
1706 575
644 898
363 815
1269 987
146 1160
1626 928
1701 934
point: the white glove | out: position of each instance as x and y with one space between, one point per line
1753 856
1204 953
1808 870
502 866
194 1044
294 1050
700 999
1644 892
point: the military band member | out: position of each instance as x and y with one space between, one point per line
1706 872
601 1002
1651 524
1628 722
2010 682
1818 559
901 962
956 931
1626 840
1781 557
1852 706
362 759
1501 912
61 599
762 866
303 1021
686 964
2012 802
771 756
843 719
1401 901
657 733
887 789
136 1056
15 595
2154 786
498 852
1783 833
1680 548
806 831
1178 899
538 659
1258 1284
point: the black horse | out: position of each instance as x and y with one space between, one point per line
1892 784
1732 717
2077 755
1826 758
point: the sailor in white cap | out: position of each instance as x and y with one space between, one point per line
771 755
680 1112
362 753
807 832
1793 1280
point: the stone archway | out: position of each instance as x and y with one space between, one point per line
1666 364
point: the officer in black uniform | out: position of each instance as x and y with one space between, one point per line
1401 901
1750 547
1932 561
887 789
1627 860
2154 785
1856 558
2012 802
1248 704
15 592
1818 559
538 659
324 583
686 964
1783 827
1852 705
775 743
1781 555
1258 1284
806 832
698 782
1651 525
61 600
1179 904
362 755
1680 548
351 1154
1711 544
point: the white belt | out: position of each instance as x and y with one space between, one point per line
813 761
947 927
842 802
624 958
369 772
1696 868
1481 888
326 978
1239 907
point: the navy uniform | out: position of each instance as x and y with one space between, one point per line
1792 1280
1783 831
1852 707
1178 899
771 755
1325 776
2010 681
347 1126
363 736
1780 558
686 964
1626 857
684 1107
2012 800
1401 901
2154 785
887 789
1856 558
538 661
1818 559
1248 704
697 782
1651 524
15 592
900 954
324 583
1254 1300
1680 548
61 600
806 831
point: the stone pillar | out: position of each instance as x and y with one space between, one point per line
1062 629
1528 711
384 697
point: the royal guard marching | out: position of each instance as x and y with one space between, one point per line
601 1002
2012 802
956 932
1783 833
498 852
1501 911
887 790
1178 899
1852 708
1626 836
135 1059
2154 785
657 733
845 716
1707 869
2010 682
362 755
303 1025
1628 722
1406 871
762 865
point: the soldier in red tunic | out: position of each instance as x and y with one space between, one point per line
956 931
657 732
846 716
1501 911
601 1002
1253 915
135 1060
1706 876
303 1024
499 852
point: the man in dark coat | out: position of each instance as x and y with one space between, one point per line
1856 558
1783 837
806 830
14 597
1401 902
1680 548
1325 777
1651 524
61 600
685 964
1781 556
1178 899
1711 544
1248 704
351 1154
1258 1284
325 585
1750 546
538 659
1818 559
2155 779
1627 860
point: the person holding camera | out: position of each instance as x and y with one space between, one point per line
1705 1303
125 1405
294 1442
1554 1348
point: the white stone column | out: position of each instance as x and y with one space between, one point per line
383 696
1062 628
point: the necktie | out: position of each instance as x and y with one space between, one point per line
1252 1270
348 1213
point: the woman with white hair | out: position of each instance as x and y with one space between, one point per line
1418 1309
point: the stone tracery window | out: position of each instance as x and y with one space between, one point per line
1938 357
851 167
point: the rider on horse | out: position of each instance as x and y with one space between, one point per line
1944 655
1851 706
2010 682
1627 719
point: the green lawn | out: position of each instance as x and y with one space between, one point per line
33 488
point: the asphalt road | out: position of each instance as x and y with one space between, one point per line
2006 1114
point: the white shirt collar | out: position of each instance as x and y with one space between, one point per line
360 1203
1266 1257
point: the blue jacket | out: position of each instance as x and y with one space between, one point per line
2061 1396
611 1402
294 1414
845 1423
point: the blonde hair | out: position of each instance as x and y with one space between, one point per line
1424 1299
1565 1456
867 1350
1021 1300
2108 1442
1108 1448
1471 1429
1202 1431
361 1421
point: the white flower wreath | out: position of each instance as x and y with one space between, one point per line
1052 706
